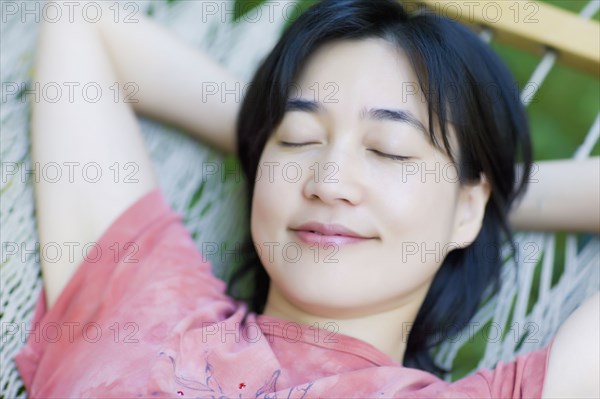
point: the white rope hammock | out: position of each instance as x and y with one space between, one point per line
219 215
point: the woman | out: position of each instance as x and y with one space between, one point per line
384 243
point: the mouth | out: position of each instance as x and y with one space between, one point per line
328 235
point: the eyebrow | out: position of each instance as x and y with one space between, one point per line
377 114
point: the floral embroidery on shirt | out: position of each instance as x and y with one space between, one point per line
269 389
210 386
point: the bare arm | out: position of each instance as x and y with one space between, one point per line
172 78
562 195
574 362
73 212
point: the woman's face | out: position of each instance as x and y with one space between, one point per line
412 211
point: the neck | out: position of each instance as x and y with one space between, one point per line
386 330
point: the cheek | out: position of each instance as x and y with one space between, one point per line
416 207
272 200
263 212
261 220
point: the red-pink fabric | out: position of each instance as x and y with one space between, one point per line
143 316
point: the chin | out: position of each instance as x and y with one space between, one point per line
327 301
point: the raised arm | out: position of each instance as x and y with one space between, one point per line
73 212
171 77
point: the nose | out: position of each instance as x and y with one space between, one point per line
335 178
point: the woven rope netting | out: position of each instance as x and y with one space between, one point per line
218 215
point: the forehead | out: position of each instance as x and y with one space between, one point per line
357 73
349 76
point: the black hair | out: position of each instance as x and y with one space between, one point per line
466 85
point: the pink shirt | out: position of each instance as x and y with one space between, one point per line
143 316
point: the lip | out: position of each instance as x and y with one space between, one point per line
327 235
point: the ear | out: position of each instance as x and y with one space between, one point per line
472 200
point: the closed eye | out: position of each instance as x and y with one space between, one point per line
390 156
288 144
394 157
